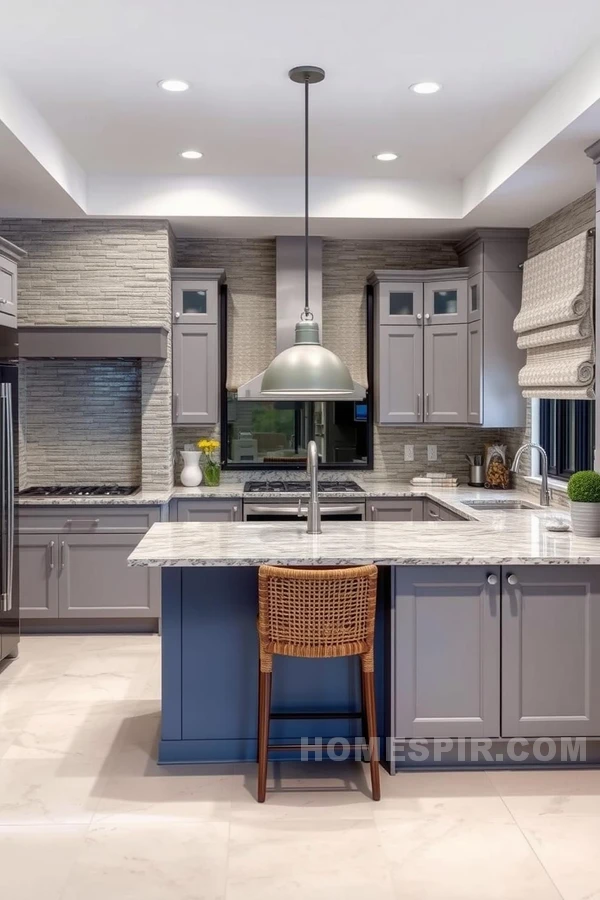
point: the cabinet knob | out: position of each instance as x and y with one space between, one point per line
419 317
177 315
512 579
427 317
3 300
235 509
492 579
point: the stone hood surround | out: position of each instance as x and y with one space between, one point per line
488 538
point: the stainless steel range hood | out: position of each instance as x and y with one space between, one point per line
289 301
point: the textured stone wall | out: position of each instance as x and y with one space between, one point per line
98 272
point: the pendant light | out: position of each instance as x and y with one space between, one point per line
307 368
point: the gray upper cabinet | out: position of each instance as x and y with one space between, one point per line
209 510
196 363
394 509
445 302
445 652
493 256
195 375
400 375
38 575
445 374
551 651
10 255
413 308
196 296
400 304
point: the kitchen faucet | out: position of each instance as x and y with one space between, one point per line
313 522
544 492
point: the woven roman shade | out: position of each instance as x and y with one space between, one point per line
555 324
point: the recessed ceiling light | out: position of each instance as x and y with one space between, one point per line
191 154
426 87
174 85
386 157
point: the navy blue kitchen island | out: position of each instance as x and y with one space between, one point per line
210 673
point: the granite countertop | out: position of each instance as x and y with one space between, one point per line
506 537
140 498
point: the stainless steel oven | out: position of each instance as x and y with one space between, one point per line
282 509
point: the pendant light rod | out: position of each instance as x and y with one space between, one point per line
307 315
306 75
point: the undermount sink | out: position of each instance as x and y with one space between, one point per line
498 504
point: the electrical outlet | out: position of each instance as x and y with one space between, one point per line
431 452
409 453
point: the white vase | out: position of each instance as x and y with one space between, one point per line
191 474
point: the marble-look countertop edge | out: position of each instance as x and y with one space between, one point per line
365 561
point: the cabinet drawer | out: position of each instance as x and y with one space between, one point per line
395 510
209 510
8 287
89 519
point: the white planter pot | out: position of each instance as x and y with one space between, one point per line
191 474
585 519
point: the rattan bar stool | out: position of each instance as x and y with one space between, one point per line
316 613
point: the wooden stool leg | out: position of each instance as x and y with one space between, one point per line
264 715
364 723
369 682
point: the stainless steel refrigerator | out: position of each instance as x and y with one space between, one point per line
9 570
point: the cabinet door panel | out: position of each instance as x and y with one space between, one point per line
445 652
400 304
38 575
475 362
400 372
551 651
195 375
209 510
445 374
445 303
395 510
95 581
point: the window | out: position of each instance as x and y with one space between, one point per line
274 434
567 435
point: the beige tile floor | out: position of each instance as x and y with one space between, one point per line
86 814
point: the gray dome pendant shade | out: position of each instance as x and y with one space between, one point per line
307 367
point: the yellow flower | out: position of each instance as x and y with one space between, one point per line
208 445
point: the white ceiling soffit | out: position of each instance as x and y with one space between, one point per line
501 144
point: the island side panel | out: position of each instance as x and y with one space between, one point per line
216 649
171 654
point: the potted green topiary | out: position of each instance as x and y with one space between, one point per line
584 493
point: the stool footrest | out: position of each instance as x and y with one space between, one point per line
316 715
310 749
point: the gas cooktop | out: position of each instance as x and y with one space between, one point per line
99 490
294 487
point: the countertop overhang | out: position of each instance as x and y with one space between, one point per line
490 538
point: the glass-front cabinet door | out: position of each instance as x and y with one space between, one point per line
400 303
445 302
195 299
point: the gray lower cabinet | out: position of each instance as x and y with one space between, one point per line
38 575
445 652
445 374
395 510
209 510
435 512
551 651
95 580
83 576
195 374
